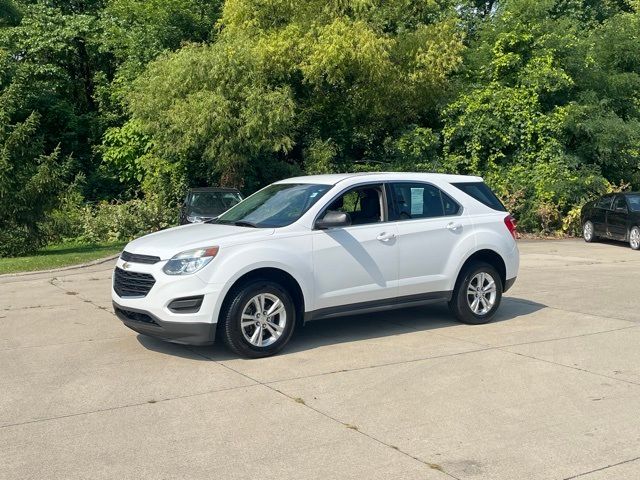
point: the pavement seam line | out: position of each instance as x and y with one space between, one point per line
533 342
121 407
102 339
431 466
571 367
47 275
602 468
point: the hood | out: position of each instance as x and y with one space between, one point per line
167 243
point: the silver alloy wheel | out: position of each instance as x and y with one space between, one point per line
634 238
587 231
263 320
482 293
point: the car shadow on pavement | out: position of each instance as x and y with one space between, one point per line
613 243
353 328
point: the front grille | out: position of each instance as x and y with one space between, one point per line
132 284
136 258
135 316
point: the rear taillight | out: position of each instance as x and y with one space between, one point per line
510 222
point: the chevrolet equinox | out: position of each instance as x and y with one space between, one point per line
315 247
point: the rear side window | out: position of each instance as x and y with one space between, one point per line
419 200
604 202
482 193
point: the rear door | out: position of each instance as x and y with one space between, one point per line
430 224
617 218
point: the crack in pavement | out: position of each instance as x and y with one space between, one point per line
79 296
602 468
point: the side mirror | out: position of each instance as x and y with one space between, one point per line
333 219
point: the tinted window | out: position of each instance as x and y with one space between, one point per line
481 192
277 205
604 202
634 202
203 203
620 203
419 200
361 203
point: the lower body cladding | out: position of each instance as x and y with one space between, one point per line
186 333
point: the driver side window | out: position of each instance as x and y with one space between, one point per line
363 204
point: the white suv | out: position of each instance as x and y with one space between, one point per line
315 247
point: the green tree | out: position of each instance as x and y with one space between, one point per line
549 115
30 184
289 84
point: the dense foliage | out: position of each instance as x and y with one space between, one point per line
109 109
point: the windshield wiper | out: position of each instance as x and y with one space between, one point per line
244 223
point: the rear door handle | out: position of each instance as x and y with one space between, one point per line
385 237
454 226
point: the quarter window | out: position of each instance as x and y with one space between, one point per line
419 200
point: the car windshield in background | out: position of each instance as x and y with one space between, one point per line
275 206
634 202
211 203
482 193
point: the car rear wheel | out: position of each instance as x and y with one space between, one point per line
588 231
634 238
259 319
477 294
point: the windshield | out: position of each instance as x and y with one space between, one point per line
634 202
211 203
277 205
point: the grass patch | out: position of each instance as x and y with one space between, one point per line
56 256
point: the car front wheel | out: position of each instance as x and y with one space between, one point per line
477 294
259 319
634 238
588 231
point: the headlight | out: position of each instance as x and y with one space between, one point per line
194 219
190 261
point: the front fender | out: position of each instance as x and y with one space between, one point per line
286 254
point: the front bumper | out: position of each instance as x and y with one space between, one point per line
186 333
194 326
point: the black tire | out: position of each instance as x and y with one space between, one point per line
232 330
459 303
588 231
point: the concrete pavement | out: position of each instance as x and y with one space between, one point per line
550 390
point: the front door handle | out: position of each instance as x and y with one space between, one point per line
385 237
453 226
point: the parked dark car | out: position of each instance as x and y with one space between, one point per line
615 216
202 204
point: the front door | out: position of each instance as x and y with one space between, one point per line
602 206
356 265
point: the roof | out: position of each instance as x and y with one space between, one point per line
213 189
334 178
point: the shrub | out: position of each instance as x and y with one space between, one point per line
114 221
